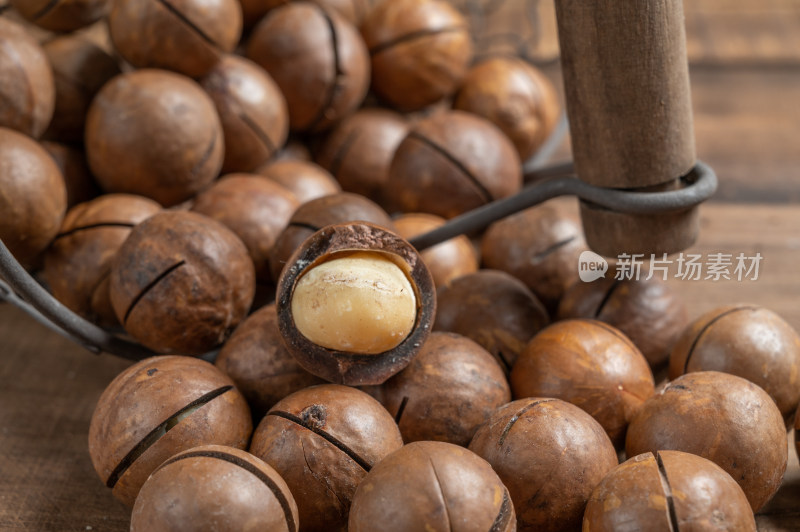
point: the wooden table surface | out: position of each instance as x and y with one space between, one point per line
746 89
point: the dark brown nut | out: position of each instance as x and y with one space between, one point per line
71 160
355 304
353 11
797 433
259 363
181 282
450 388
317 58
450 163
255 120
539 246
516 97
77 265
254 208
493 309
318 213
33 198
27 89
648 311
420 50
359 151
157 408
723 418
748 341
446 261
187 36
669 491
305 179
214 487
155 134
432 486
61 15
589 364
323 441
550 455
80 69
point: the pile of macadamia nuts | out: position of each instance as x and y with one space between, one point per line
243 175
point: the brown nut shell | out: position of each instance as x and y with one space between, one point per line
306 180
155 134
259 363
77 265
345 367
27 89
157 408
433 486
447 261
181 282
187 36
353 11
589 364
252 110
723 418
450 388
214 487
494 309
420 50
515 96
550 455
327 75
748 341
648 311
450 163
33 198
256 209
672 490
71 160
61 15
323 440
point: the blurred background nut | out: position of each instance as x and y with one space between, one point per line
62 15
305 179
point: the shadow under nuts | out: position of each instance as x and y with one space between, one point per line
157 408
431 485
355 303
323 441
181 283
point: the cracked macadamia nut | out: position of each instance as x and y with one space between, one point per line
432 486
157 408
648 311
589 364
181 282
77 265
355 303
494 309
672 490
155 134
62 15
515 96
187 36
317 58
27 88
539 246
259 363
323 441
420 50
214 487
33 198
748 341
448 260
550 455
255 120
306 180
450 163
450 388
254 208
723 418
